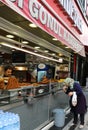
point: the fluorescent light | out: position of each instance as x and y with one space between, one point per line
13 50
60 60
25 42
29 52
21 68
10 36
37 47
53 54
54 39
46 51
32 25
60 54
66 47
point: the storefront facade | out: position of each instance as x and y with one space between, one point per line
66 27
63 20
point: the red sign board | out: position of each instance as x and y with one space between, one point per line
41 15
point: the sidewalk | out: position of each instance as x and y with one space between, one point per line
68 127
86 123
69 120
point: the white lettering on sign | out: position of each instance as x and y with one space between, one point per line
33 8
72 12
20 2
42 15
50 22
39 13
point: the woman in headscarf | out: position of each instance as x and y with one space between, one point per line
71 86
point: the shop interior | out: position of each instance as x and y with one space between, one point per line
23 44
41 63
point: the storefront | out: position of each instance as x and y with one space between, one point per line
59 19
67 27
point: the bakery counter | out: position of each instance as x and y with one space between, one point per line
34 115
28 93
10 96
39 90
33 104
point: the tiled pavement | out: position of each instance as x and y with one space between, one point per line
68 126
69 120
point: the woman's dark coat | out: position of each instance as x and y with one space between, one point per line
81 106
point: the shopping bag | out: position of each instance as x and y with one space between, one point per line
74 99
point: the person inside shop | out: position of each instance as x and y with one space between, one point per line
1 77
7 72
69 87
10 80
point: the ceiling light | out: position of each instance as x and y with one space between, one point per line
10 36
29 52
54 39
66 47
21 68
46 51
32 25
53 54
25 42
60 54
37 47
60 60
13 50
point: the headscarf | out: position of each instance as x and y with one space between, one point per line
69 82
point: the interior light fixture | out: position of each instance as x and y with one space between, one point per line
54 39
46 51
53 54
13 50
24 42
36 47
32 25
60 60
66 47
21 68
60 54
29 52
10 36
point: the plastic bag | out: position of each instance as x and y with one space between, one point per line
74 99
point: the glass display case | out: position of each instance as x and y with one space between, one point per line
26 92
10 96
